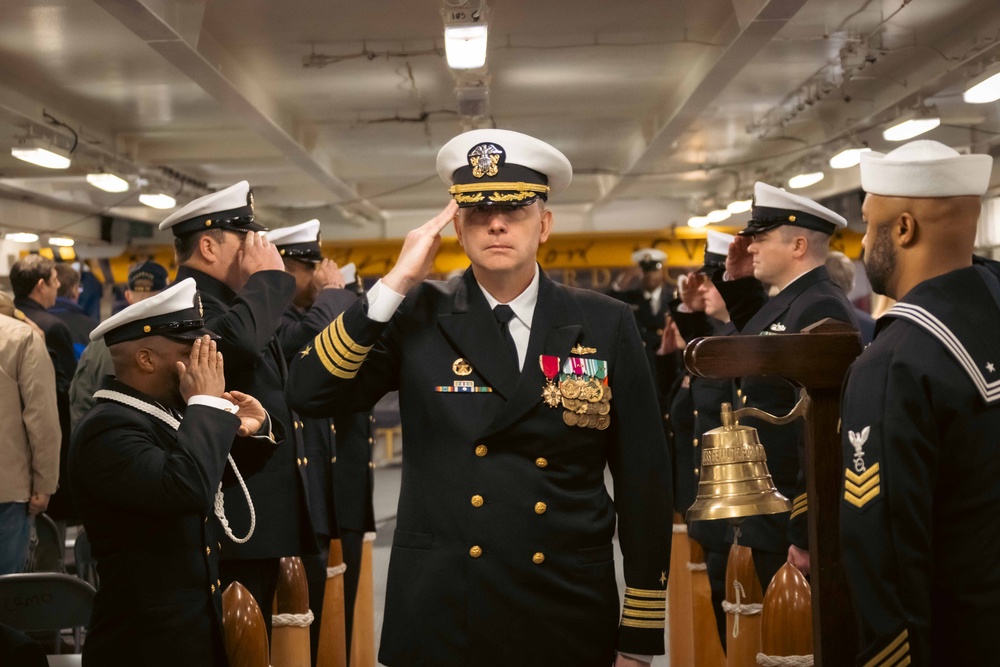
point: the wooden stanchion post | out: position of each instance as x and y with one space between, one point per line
679 597
363 631
332 649
707 645
786 620
744 597
291 616
244 632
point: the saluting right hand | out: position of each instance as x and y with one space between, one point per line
258 254
739 261
691 294
204 373
417 256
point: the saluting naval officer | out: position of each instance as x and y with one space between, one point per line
921 418
785 246
515 393
648 300
321 294
147 460
245 290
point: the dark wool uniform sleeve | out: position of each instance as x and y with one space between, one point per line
293 335
743 297
326 378
120 462
640 466
890 458
250 321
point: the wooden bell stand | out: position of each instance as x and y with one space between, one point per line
817 360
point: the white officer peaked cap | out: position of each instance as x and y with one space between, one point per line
230 208
501 167
718 242
649 259
773 207
175 313
925 168
298 241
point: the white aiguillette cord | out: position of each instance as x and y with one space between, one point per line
173 423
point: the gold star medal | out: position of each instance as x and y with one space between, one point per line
461 367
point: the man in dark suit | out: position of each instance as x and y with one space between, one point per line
245 290
921 416
330 442
785 246
147 461
515 393
35 285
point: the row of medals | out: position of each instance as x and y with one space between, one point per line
587 402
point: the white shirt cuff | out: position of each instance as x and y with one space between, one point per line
383 302
213 402
635 656
683 308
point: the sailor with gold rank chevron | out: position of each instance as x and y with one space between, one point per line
515 393
921 419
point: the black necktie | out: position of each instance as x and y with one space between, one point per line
504 315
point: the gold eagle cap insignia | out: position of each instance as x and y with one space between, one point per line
580 349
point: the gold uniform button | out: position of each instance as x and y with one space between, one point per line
370 441
208 550
538 558
333 459
739 392
540 508
218 583
477 501
213 588
481 450
745 400
696 442
475 552
371 418
298 461
305 460
333 428
695 413
696 471
371 464
541 462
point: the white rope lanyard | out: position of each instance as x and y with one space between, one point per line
784 660
172 422
292 620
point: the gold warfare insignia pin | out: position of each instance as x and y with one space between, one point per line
461 367
580 349
485 160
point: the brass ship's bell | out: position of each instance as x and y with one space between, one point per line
735 482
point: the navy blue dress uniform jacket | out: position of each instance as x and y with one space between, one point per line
920 433
146 491
247 322
810 298
502 553
650 324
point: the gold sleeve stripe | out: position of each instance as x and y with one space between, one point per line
633 623
800 499
796 512
331 367
335 336
635 613
645 593
348 341
335 353
880 658
646 604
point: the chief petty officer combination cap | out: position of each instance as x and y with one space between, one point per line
299 242
147 276
716 251
649 259
230 209
174 313
501 168
925 168
773 207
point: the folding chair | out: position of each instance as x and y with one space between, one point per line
48 549
86 566
46 601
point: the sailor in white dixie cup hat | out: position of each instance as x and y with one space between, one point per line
147 462
921 414
485 362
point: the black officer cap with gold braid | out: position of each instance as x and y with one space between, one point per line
175 312
299 242
501 168
230 209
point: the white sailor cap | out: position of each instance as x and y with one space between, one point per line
925 168
299 242
174 313
773 207
716 250
231 208
649 259
501 167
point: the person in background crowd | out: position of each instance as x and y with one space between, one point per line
921 417
36 284
145 279
648 300
67 309
841 270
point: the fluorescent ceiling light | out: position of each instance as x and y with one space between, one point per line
985 91
61 241
108 182
465 46
910 128
159 200
22 237
718 215
805 180
740 206
848 158
41 153
698 221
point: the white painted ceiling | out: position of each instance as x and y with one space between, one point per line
665 108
